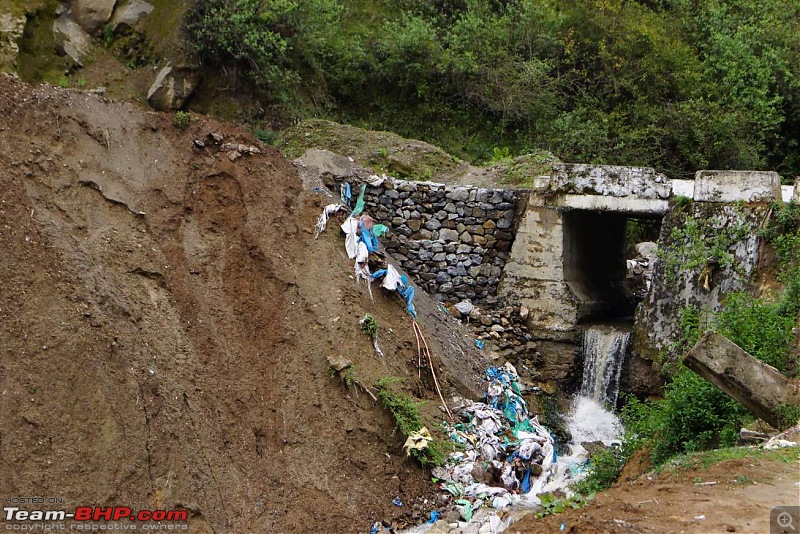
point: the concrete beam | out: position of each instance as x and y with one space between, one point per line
759 387
628 205
735 186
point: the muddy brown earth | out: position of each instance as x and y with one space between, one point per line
735 495
165 322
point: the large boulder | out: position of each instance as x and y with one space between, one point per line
11 28
93 14
128 14
71 38
172 88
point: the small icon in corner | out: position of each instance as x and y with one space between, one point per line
784 520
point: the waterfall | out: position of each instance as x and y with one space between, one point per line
604 349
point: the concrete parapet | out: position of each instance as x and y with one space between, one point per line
735 186
608 180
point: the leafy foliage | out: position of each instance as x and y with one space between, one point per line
676 84
551 504
369 325
408 420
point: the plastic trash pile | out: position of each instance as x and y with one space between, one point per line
506 453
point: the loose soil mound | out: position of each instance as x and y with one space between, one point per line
165 322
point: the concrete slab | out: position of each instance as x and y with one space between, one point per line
787 192
609 180
630 205
735 186
796 195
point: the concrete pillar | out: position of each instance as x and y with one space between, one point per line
759 387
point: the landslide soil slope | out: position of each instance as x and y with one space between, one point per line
165 319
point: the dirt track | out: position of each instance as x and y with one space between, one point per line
165 319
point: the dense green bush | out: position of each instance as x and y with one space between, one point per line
676 84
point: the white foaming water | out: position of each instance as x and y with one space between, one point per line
604 350
587 420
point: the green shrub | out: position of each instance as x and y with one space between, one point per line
265 136
369 325
182 119
551 504
605 465
788 415
408 419
404 410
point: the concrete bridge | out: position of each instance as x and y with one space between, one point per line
567 263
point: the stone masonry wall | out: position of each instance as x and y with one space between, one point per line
453 240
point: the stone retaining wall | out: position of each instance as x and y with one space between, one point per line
453 240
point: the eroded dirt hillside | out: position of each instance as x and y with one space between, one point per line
165 322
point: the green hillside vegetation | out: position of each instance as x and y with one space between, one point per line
675 84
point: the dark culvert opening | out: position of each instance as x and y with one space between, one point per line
597 247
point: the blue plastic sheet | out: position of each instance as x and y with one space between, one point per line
359 203
345 194
403 289
379 230
368 238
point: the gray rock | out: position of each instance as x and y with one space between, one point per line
464 307
504 224
71 39
92 14
11 30
465 237
459 194
442 278
439 257
128 14
448 235
433 224
172 88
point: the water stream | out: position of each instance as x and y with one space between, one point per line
604 350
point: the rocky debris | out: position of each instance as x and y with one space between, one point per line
172 87
503 331
454 241
128 14
71 39
92 14
11 29
237 150
751 437
639 277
